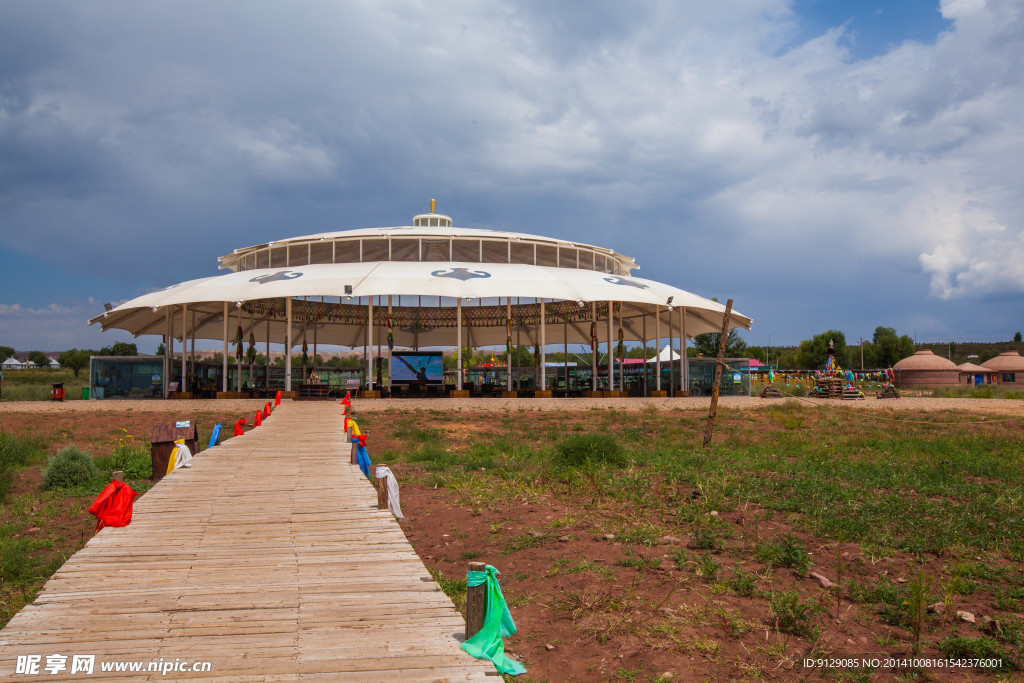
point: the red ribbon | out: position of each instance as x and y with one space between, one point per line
240 427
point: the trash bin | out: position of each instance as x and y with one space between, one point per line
57 391
164 436
85 393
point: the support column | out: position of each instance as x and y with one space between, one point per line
184 344
391 326
192 359
266 361
543 351
369 344
593 349
167 345
224 359
458 341
671 365
170 343
238 359
657 346
288 344
684 363
645 387
611 350
508 343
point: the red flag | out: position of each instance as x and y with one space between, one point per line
113 507
258 420
345 427
362 440
240 427
277 399
347 401
266 410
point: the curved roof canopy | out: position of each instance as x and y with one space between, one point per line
427 270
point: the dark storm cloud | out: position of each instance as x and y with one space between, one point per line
138 142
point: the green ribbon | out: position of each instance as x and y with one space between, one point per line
498 624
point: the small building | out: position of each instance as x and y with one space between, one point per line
53 365
925 369
974 375
13 363
1007 368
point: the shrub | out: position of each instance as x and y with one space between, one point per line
69 468
581 450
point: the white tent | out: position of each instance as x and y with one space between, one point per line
13 363
665 356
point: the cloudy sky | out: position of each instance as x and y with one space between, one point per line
825 163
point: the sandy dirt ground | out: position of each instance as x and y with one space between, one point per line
1011 407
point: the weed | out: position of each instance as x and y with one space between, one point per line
524 542
470 555
785 551
585 450
455 589
916 607
955 647
742 583
708 568
705 539
792 616
681 558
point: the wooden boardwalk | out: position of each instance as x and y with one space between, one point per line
267 558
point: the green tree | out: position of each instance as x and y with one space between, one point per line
39 358
1016 338
119 349
160 349
889 347
75 359
707 344
813 352
8 351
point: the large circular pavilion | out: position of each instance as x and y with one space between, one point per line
428 285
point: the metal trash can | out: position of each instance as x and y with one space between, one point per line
164 436
57 391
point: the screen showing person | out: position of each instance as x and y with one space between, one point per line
417 367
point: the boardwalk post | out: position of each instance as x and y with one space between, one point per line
382 487
476 602
119 476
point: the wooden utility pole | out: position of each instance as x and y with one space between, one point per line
709 429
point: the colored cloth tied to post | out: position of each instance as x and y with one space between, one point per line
240 427
113 507
258 420
362 457
214 436
181 456
277 399
266 410
487 642
393 503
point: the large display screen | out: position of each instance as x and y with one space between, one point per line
417 366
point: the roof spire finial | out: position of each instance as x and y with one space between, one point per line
432 204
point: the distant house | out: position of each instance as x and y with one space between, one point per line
1007 368
13 363
54 365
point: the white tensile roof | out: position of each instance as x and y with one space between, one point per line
256 296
